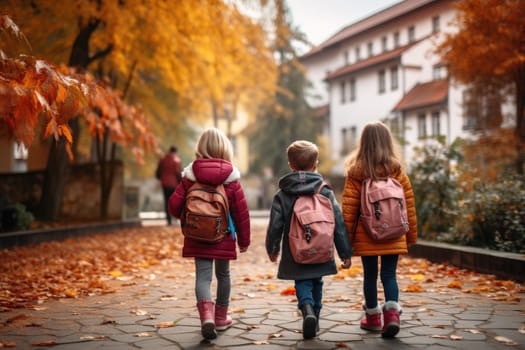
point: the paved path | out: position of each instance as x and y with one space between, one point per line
133 318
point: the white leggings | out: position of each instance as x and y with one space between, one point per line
203 276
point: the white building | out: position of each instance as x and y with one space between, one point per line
383 68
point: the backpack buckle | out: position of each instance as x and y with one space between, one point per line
308 233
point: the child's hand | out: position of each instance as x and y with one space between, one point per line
243 249
273 258
346 263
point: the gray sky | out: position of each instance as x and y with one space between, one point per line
320 19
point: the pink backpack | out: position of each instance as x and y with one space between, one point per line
383 209
312 228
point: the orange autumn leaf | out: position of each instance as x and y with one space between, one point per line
414 288
165 324
71 293
455 284
288 291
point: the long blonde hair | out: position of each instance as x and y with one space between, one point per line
213 143
377 152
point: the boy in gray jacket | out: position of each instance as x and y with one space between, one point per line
304 179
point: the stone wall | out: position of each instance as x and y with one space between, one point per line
81 200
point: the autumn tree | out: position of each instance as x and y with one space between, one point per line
488 54
33 92
198 55
287 116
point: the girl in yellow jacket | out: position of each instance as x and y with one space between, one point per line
376 157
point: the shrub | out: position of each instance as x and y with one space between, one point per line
434 181
494 215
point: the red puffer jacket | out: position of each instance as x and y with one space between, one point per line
215 171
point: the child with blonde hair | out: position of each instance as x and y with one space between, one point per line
212 165
304 180
376 157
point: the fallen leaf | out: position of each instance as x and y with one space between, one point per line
139 312
165 324
414 288
438 336
505 340
115 273
238 310
143 334
417 277
275 335
474 331
288 291
455 284
7 344
16 318
70 293
261 342
45 343
455 337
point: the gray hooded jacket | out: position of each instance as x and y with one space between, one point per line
290 186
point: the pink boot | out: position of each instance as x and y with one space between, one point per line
222 320
391 312
207 315
372 320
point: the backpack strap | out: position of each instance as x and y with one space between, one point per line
323 184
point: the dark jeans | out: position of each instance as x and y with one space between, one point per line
309 291
388 278
167 194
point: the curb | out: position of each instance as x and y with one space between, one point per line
21 238
501 264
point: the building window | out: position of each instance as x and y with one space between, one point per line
435 24
357 54
396 40
395 125
348 139
344 142
343 97
481 109
394 78
382 81
345 58
436 126
370 49
437 72
384 44
352 89
421 126
411 34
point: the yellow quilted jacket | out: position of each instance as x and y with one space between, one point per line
361 243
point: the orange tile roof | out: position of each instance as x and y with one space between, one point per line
370 22
425 94
369 62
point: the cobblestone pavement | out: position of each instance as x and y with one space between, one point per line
159 312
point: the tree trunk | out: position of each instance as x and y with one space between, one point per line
520 121
57 164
